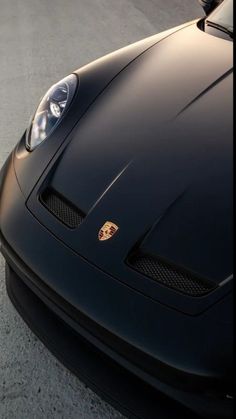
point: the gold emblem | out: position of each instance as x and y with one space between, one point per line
107 231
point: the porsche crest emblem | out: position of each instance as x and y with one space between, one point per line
107 231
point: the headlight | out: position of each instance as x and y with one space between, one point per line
50 111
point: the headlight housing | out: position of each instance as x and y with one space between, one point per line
50 111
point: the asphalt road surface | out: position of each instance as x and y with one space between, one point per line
40 42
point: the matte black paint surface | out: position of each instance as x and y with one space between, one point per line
149 157
130 395
152 152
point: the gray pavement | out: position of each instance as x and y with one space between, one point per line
40 42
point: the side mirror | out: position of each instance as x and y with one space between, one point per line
209 5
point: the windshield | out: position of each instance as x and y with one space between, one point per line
223 15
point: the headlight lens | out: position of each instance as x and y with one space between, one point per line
50 111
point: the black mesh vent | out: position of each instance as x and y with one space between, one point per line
66 212
170 276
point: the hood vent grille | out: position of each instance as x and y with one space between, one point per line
170 276
62 209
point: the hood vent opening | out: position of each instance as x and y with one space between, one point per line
61 208
170 276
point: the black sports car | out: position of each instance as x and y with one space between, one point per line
116 221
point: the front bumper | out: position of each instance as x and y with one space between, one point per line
51 285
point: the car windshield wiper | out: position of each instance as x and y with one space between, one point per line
228 30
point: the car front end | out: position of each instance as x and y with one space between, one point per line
118 256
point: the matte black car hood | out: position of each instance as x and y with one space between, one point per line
154 155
